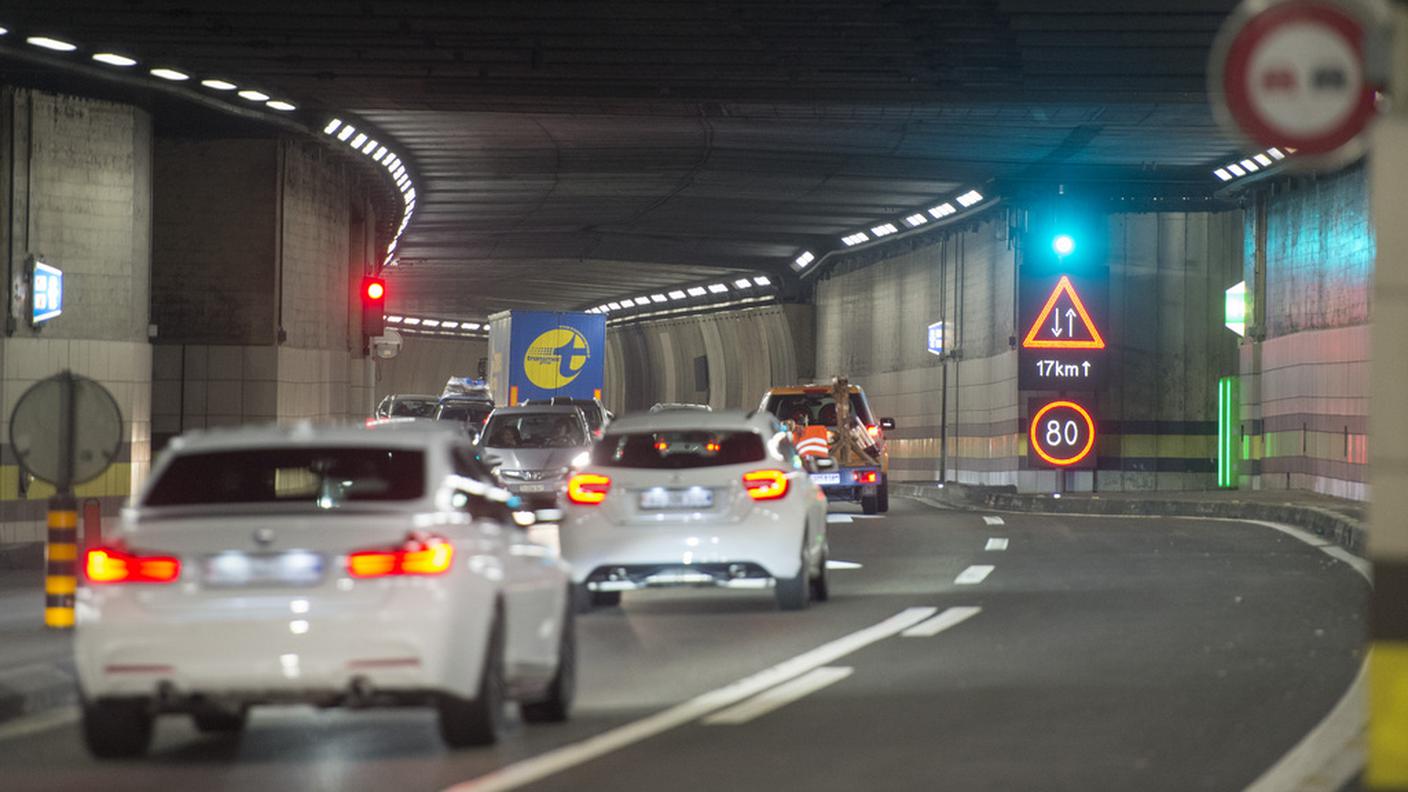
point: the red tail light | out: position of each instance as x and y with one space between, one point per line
112 565
865 476
874 430
766 484
588 489
420 554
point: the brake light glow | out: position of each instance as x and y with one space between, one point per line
420 554
766 484
874 430
588 489
111 565
865 476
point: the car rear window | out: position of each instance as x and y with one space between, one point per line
466 412
323 477
819 409
679 449
413 408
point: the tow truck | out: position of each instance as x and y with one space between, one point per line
839 439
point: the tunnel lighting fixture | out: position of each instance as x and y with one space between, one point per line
226 85
470 326
379 155
45 42
1249 166
614 306
762 280
113 59
171 74
280 105
718 288
358 140
1222 174
696 291
430 322
395 319
916 219
659 298
628 303
1276 153
1236 170
742 283
804 259
346 132
449 325
370 147
332 126
884 229
677 294
855 239
411 320
1262 160
4 31
942 210
969 198
253 95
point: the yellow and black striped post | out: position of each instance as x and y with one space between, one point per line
1388 678
61 565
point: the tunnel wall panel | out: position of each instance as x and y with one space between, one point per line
424 364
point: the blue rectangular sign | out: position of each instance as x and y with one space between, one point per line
47 293
557 354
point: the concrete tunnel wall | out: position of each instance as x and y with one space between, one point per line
424 364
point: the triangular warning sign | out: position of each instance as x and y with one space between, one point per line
1061 330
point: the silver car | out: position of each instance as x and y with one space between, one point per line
532 450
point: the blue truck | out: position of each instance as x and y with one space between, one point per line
543 354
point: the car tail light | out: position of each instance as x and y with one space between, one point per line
588 489
766 484
420 554
113 565
865 476
874 430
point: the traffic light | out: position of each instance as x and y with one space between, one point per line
373 306
1065 234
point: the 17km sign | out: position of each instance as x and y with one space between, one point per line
1062 346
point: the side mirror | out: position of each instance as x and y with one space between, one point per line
887 423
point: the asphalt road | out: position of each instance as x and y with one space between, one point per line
1104 654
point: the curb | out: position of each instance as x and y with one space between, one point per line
1340 529
36 688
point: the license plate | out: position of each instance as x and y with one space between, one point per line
692 498
823 479
294 568
532 488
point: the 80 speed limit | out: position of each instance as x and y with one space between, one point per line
1061 435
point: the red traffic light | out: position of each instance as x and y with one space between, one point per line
373 288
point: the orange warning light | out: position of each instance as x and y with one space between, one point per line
1034 435
1040 336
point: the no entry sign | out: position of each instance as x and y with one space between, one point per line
1293 74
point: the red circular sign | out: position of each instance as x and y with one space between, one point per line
1062 433
1294 77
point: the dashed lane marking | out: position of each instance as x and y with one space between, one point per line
974 575
833 519
780 696
555 761
996 543
842 564
991 520
949 618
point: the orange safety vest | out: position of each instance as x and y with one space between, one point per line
811 441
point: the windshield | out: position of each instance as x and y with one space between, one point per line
413 408
535 430
325 477
814 409
590 409
682 449
466 412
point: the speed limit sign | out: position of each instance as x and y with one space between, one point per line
1061 435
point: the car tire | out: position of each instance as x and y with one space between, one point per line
870 504
821 587
794 594
478 721
118 728
217 721
556 706
883 494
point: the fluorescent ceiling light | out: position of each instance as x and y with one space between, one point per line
380 153
4 31
431 323
370 147
658 298
805 259
855 239
346 132
395 319
51 44
253 95
469 326
742 283
628 303
916 219
942 210
359 140
1263 160
969 198
615 306
113 59
762 280
1222 173
1276 153
411 320
1251 167
884 229
450 325
171 74
226 85
677 295
281 106
1236 170
696 291
717 288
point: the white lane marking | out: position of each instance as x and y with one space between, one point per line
555 761
1330 754
974 574
838 518
40 722
1360 565
780 696
950 618
841 564
867 516
1326 546
991 520
996 543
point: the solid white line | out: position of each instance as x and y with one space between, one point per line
949 618
867 516
1330 754
974 574
559 759
996 543
779 697
1326 546
41 722
838 518
842 564
1358 564
991 520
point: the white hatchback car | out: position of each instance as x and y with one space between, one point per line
692 498
333 567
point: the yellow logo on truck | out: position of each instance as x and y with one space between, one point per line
556 357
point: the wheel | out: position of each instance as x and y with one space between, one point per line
478 721
870 504
117 728
883 494
220 721
556 706
821 589
794 593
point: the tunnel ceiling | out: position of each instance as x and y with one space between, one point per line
569 151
